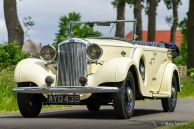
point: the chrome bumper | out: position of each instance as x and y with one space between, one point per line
65 89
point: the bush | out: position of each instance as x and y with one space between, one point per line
190 72
10 54
182 58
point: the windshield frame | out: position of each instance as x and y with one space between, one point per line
71 24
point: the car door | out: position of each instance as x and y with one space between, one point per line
158 66
149 59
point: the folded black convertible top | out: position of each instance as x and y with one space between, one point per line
169 45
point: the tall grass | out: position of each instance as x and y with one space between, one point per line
188 87
8 100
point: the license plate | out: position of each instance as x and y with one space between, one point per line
63 99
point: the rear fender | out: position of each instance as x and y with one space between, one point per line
167 79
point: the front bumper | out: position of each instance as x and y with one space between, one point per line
66 89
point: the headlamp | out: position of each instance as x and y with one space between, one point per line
94 52
48 53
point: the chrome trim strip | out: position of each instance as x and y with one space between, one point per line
66 89
75 40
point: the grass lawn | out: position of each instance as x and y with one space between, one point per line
188 88
186 126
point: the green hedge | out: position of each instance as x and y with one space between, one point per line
10 54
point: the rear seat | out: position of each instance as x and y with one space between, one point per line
155 44
171 45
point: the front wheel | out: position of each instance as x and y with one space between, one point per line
169 104
29 104
124 100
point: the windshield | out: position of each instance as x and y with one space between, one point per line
119 29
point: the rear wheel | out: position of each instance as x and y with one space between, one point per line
29 104
124 100
169 104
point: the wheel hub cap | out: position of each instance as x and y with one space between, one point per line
173 95
128 98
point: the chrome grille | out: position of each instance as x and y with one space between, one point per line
72 63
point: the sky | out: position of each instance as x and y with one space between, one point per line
46 14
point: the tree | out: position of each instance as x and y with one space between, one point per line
182 58
137 15
28 24
120 5
80 31
173 4
151 11
190 37
15 31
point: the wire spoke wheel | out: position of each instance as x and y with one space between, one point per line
124 100
169 104
128 97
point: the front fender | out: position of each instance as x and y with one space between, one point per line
115 70
33 70
167 79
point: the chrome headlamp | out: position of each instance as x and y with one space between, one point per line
94 52
48 53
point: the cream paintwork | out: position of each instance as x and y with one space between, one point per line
112 71
136 56
110 42
165 87
38 72
33 70
112 67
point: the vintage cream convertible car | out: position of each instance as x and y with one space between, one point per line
98 71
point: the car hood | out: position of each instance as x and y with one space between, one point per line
110 42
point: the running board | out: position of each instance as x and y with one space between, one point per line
161 95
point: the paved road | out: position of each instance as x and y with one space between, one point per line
147 115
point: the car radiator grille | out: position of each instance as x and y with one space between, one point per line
72 63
